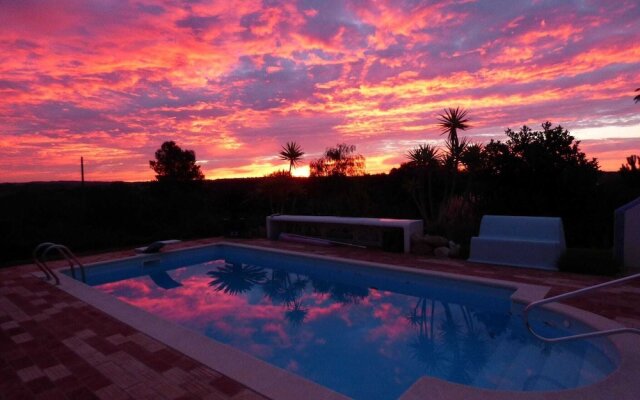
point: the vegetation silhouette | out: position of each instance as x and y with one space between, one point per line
637 98
282 191
236 278
452 120
172 164
530 172
632 166
283 287
425 160
474 162
630 175
447 344
340 160
427 345
340 293
293 153
296 313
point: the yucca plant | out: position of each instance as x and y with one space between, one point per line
453 120
293 153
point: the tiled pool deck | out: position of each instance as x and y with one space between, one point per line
53 346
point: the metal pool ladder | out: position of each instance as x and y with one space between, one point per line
40 259
530 306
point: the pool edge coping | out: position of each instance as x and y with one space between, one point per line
267 379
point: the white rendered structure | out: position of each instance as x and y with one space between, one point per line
409 226
627 234
533 242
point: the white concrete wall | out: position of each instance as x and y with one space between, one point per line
632 237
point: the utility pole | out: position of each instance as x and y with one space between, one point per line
82 170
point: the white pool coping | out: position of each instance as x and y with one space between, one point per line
279 384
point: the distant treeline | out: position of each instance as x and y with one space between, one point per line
103 216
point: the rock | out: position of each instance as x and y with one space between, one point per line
420 247
441 252
454 249
435 241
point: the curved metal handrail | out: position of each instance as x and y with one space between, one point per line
43 249
73 257
48 273
68 255
530 306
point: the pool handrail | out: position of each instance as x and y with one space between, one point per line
48 273
72 260
530 306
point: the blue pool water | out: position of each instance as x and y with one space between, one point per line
364 332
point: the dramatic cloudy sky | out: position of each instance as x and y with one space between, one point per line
111 80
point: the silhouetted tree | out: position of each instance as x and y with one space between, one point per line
282 191
453 120
338 161
538 173
291 152
637 98
172 164
632 165
425 160
474 159
630 173
450 122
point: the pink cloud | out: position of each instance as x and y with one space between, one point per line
111 81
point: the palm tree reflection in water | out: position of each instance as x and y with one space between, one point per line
236 278
448 340
447 348
280 288
341 293
287 288
427 346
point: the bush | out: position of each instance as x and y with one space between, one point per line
589 261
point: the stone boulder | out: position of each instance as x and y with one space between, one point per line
454 249
435 241
421 248
442 252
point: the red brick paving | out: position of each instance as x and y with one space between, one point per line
53 346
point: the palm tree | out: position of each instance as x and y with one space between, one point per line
293 153
637 98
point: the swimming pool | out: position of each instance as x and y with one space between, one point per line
360 330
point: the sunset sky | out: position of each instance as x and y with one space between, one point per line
110 80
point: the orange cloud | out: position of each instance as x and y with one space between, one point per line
234 81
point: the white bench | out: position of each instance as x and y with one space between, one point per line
534 242
409 226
